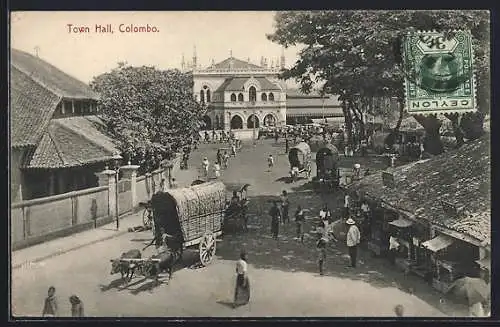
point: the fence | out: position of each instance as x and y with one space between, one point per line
37 220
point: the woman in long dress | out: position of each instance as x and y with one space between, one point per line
242 289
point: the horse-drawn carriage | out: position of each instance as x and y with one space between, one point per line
236 208
300 160
327 174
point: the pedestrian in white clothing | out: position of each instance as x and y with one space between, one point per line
217 170
353 239
206 164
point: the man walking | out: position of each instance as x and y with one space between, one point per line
353 239
275 219
285 205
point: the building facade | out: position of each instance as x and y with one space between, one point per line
240 95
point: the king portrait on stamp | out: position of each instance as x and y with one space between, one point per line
440 76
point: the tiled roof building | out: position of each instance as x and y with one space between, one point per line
55 134
460 177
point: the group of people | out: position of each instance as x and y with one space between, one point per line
51 308
279 213
215 137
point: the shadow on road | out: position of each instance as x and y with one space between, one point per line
113 284
288 254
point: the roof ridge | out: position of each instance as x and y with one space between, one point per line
45 63
58 151
36 80
77 132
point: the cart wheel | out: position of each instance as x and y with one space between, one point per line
207 249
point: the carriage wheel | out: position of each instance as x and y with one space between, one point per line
207 249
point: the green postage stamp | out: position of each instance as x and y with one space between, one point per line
439 72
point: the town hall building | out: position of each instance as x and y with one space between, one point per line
239 95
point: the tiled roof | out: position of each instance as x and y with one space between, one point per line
233 63
267 85
460 177
237 83
32 106
51 77
72 142
311 102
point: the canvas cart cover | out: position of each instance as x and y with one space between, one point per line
193 211
327 156
299 155
316 142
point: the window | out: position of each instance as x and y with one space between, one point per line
233 97
240 97
202 96
252 94
263 97
208 95
271 96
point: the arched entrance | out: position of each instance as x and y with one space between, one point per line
269 120
236 122
250 121
208 122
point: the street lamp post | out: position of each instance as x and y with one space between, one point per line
252 103
117 160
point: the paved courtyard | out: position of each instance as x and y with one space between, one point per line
283 274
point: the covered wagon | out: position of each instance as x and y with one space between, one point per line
300 160
327 159
190 217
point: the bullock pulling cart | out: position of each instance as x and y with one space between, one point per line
183 218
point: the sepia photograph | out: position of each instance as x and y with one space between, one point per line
236 164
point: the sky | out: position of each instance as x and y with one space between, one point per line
88 54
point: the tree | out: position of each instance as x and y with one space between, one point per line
149 111
357 54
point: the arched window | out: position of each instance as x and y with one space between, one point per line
208 95
202 96
253 119
271 96
240 97
236 122
233 97
263 97
252 94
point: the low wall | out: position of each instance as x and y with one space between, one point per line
39 220
35 221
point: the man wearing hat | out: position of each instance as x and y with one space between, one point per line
353 239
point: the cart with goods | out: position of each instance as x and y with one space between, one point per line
190 217
327 174
300 160
235 217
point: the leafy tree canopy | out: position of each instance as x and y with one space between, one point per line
357 53
150 112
